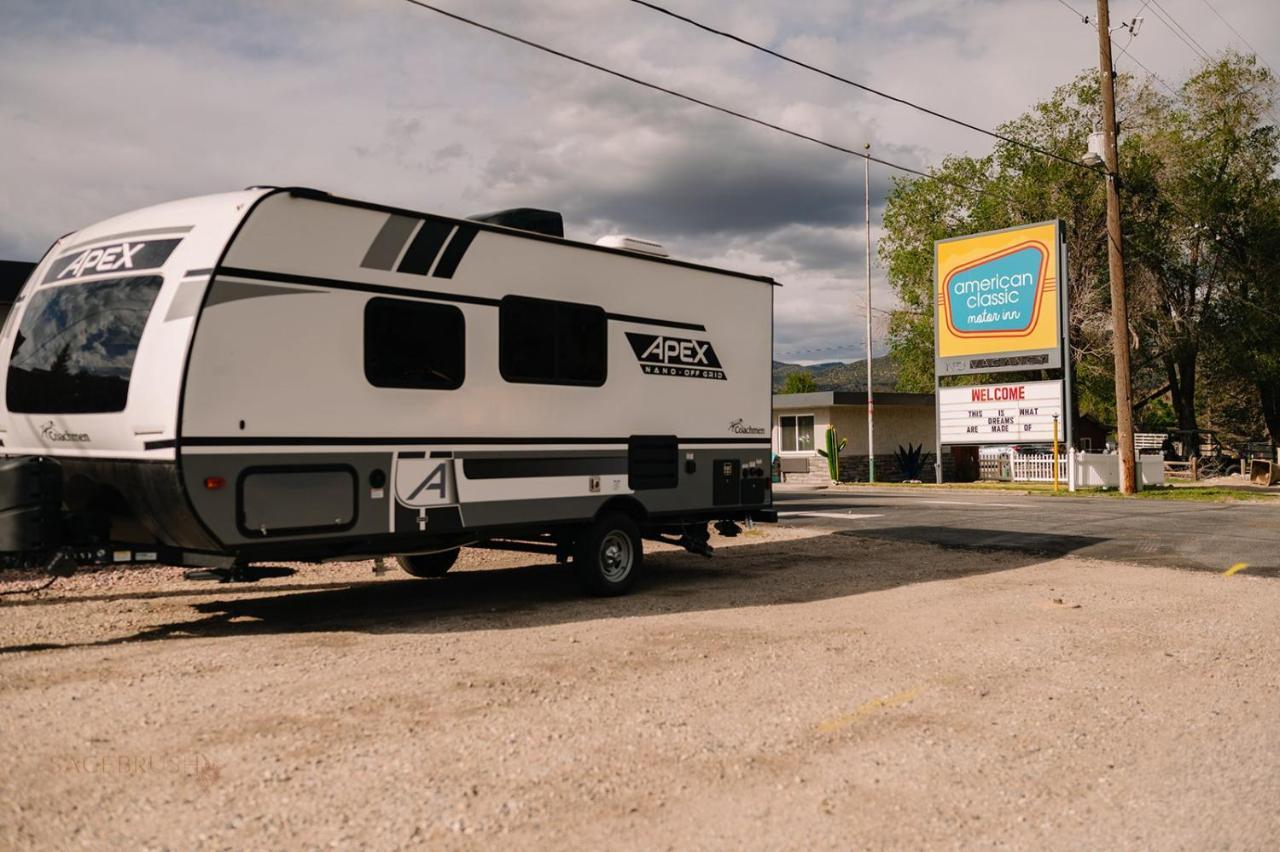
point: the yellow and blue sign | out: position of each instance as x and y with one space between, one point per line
999 300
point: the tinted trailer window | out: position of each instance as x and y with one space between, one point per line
75 346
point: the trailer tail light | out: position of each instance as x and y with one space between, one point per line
214 483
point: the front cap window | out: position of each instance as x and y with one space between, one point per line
75 346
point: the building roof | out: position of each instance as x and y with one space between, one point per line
827 399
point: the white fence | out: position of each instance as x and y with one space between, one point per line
1038 468
1103 469
1091 469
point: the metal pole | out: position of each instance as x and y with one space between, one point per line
1069 409
871 402
1055 454
1115 259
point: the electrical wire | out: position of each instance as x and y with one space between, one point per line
1190 40
1240 36
700 102
833 76
1081 15
707 104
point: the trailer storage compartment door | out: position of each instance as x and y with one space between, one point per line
292 500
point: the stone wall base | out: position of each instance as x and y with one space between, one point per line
855 469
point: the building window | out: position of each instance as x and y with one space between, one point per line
411 344
797 433
552 343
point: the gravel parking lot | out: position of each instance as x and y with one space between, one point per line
806 688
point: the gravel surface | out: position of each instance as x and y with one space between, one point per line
803 689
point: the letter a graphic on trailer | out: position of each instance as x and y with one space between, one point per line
430 483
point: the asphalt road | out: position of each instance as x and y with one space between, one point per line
1191 535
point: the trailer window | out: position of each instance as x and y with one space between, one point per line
414 344
552 343
75 346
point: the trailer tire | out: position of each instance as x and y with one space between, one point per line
429 565
607 555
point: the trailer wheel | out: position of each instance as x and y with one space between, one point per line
607 555
429 565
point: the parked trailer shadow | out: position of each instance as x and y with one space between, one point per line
770 573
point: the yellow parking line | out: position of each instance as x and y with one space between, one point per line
1235 569
867 709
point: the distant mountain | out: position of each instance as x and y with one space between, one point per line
837 375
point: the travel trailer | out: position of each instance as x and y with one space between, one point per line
282 374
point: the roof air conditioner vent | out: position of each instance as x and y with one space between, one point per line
635 244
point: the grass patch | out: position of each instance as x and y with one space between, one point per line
1185 493
1191 493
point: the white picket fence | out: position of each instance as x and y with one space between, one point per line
1038 468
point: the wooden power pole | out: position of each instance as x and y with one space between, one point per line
1115 258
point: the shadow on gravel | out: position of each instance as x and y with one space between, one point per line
798 571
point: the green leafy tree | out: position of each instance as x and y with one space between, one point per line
1197 181
800 381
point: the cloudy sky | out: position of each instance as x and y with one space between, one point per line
108 105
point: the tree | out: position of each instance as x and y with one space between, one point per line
1212 163
801 381
1196 175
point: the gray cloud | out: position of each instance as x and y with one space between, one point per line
109 105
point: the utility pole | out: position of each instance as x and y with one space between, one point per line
1115 259
871 402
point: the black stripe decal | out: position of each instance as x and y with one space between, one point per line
335 284
691 326
466 440
159 445
454 252
418 455
386 246
519 468
191 273
762 442
425 246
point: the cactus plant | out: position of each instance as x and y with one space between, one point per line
832 453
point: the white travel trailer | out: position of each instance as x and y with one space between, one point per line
283 374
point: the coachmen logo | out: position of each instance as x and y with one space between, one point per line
660 355
125 256
738 427
53 433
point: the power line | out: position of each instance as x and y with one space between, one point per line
833 76
1124 49
1270 110
1176 28
1136 61
1081 15
1243 40
693 100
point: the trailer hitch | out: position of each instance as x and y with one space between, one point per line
62 564
693 545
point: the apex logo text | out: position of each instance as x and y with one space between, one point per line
662 355
124 256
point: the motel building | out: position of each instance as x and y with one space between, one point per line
800 422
